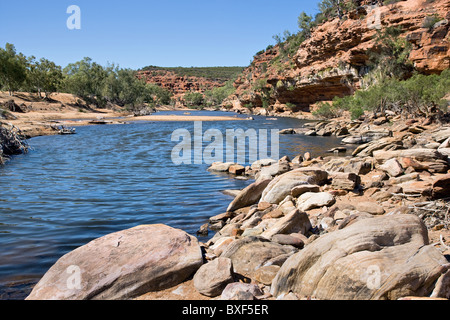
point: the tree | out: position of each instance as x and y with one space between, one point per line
85 79
193 99
331 8
305 24
12 69
216 96
44 76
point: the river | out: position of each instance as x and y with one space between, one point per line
69 190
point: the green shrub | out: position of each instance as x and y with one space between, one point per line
325 110
216 96
430 21
421 95
193 99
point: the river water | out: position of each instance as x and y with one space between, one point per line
69 190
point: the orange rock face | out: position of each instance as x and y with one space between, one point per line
333 60
178 84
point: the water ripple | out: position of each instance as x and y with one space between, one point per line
71 189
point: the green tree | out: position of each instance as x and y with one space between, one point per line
216 96
193 99
43 76
305 24
132 90
85 79
331 8
12 69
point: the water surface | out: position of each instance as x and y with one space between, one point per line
69 190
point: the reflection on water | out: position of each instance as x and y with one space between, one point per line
72 189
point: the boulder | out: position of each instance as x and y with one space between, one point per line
311 133
287 131
441 187
221 217
381 144
442 288
444 151
445 144
266 274
282 185
311 200
236 169
257 165
441 135
212 278
392 167
373 259
220 245
241 291
251 253
220 166
299 190
249 196
122 265
349 165
419 154
369 207
295 221
307 156
286 239
412 163
273 170
345 181
356 140
405 178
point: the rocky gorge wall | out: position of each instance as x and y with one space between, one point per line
179 84
333 60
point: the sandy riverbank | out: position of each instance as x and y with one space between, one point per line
63 110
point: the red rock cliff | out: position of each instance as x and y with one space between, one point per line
179 84
333 60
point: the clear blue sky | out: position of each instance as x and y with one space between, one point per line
137 33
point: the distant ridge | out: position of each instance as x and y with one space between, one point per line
210 73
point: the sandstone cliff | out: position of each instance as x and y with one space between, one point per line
334 59
179 84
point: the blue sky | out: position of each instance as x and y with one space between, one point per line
137 33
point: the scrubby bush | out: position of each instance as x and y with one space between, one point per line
193 99
421 95
430 21
325 110
216 96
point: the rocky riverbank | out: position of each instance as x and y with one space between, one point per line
372 225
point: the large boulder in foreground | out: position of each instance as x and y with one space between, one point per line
122 265
281 186
384 257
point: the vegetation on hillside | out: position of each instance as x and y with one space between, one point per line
212 73
211 98
390 81
392 84
420 95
